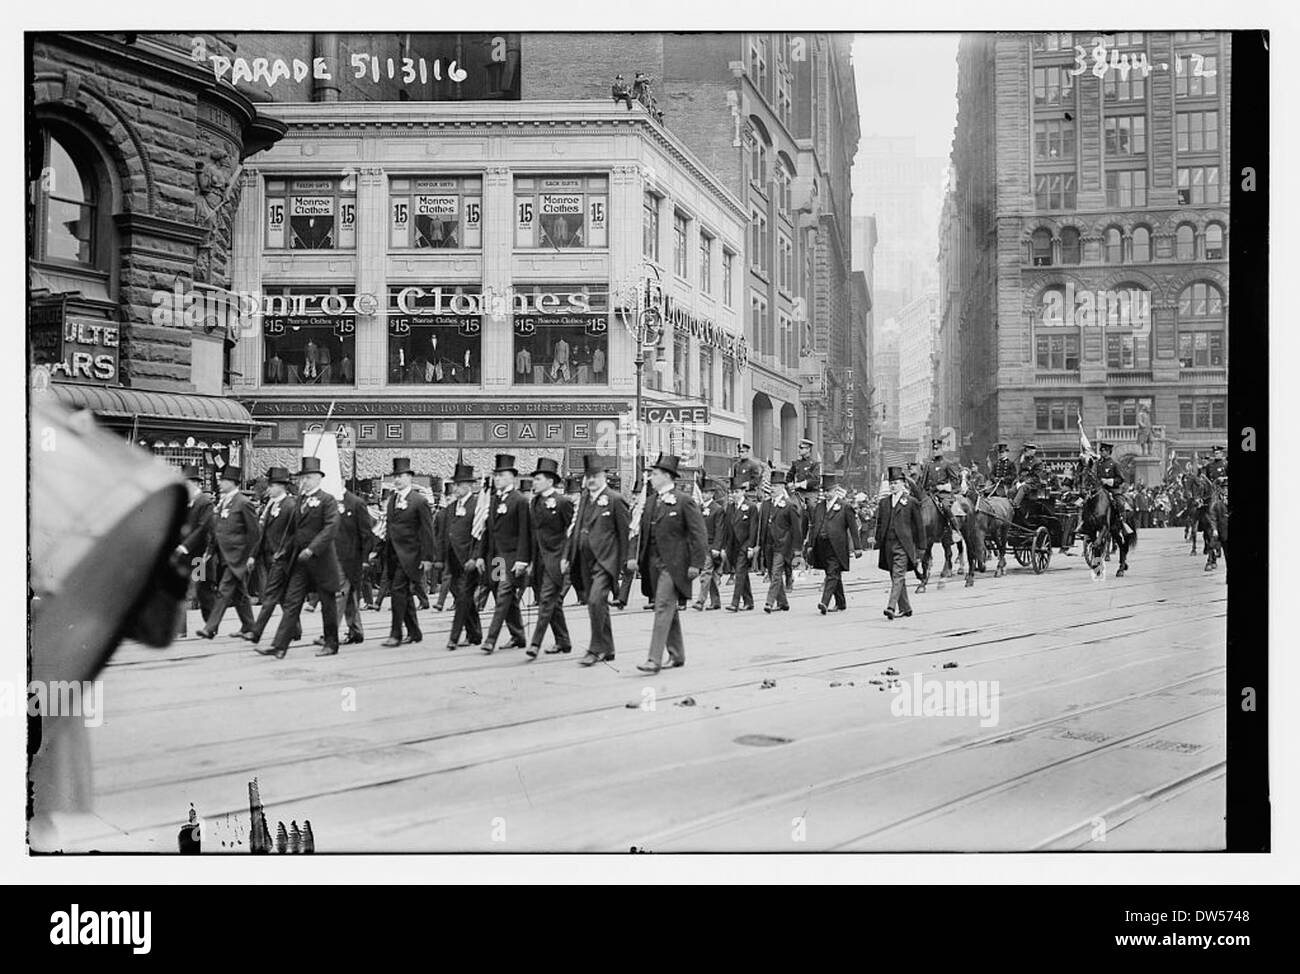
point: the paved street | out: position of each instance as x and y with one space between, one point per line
1110 724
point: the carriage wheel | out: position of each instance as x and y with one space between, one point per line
1022 555
1042 551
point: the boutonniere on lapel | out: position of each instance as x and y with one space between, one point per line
313 502
669 499
225 512
602 501
275 512
342 509
550 503
501 508
835 507
902 501
401 503
744 507
780 503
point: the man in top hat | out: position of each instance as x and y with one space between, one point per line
832 534
409 536
780 536
314 564
509 549
746 470
597 550
713 512
458 557
672 550
740 541
235 533
898 528
352 544
804 478
623 592
551 515
1031 473
573 491
442 576
191 554
1002 475
1111 479
272 549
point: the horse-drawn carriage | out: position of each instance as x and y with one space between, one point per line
1031 533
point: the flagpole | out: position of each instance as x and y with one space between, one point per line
325 426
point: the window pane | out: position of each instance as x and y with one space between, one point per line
1185 413
1218 414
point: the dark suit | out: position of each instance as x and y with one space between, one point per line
196 533
274 557
457 555
509 541
832 530
898 526
672 541
712 513
597 553
780 537
409 542
439 542
352 544
235 534
739 534
550 516
315 522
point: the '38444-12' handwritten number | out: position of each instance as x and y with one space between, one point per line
1104 60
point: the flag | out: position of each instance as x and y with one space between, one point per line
696 493
481 510
634 529
1084 445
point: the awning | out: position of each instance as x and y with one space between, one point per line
172 411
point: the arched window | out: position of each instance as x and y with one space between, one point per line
1114 246
1056 333
1214 242
1185 242
1141 245
1070 253
69 203
1201 339
1041 247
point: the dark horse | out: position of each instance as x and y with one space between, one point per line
992 522
1098 526
936 529
1212 522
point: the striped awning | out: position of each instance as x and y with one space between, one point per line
170 411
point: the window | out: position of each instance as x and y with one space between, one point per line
1214 242
1058 353
562 212
760 324
1053 86
1054 140
561 334
1192 36
760 246
435 334
728 278
1126 188
729 383
706 264
758 164
1200 300
1070 250
784 104
1053 42
758 61
1196 75
706 373
309 336
1054 191
1126 135
1198 184
1125 39
650 227
1115 87
1114 246
1185 242
1201 340
1040 246
1128 350
681 365
679 245
785 262
1056 415
1124 412
442 213
789 345
1209 413
1141 245
782 179
1198 131
68 204
321 214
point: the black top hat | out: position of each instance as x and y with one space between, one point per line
549 467
667 463
505 461
896 473
311 465
401 465
450 486
525 484
1105 446
233 474
573 484
591 465
829 480
462 473
190 471
614 481
278 475
778 476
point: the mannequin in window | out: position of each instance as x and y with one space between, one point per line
275 370
598 364
523 361
468 371
560 360
323 361
310 370
345 368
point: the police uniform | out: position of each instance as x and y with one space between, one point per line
1031 473
1111 478
1003 472
804 477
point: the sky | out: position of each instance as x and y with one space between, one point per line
907 85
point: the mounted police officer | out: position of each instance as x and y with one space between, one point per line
804 478
940 478
1216 469
1111 479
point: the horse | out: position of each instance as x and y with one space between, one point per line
1213 524
1190 512
965 515
935 528
1095 524
993 513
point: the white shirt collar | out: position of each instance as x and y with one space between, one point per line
666 490
598 492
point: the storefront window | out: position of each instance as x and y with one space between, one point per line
729 383
681 365
562 213
435 334
706 374
435 212
311 214
309 336
561 334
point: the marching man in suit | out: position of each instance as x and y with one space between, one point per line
276 524
898 525
780 536
410 552
509 549
551 515
192 552
597 551
352 544
713 511
832 533
458 557
315 566
672 550
235 533
740 541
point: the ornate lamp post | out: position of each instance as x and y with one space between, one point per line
644 322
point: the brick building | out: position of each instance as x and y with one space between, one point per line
1092 257
133 159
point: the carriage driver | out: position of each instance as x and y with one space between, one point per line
1112 479
1031 473
1003 473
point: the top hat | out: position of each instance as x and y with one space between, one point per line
311 465
778 477
401 465
668 464
525 484
591 465
278 475
505 461
462 473
449 487
829 480
573 484
1030 446
190 471
896 473
549 467
435 484
233 474
1105 446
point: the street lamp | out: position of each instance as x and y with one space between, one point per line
645 329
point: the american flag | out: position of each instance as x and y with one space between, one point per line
479 526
